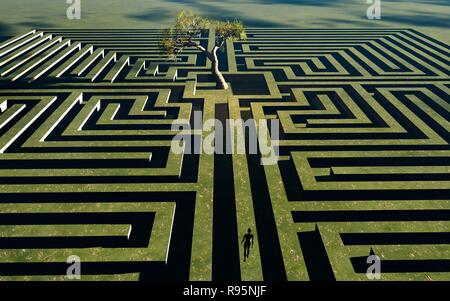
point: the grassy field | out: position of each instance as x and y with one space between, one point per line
430 17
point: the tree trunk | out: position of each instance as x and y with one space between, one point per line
218 77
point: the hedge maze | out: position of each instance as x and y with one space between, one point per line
87 169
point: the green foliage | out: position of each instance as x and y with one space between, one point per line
190 24
227 30
167 45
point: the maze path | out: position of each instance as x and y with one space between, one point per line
87 166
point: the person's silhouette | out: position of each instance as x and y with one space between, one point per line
247 240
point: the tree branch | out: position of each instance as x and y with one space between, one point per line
222 43
196 45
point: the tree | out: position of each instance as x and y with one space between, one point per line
188 27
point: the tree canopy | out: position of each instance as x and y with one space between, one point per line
189 26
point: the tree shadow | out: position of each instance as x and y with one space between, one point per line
424 19
156 14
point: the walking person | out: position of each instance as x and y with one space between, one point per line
247 240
